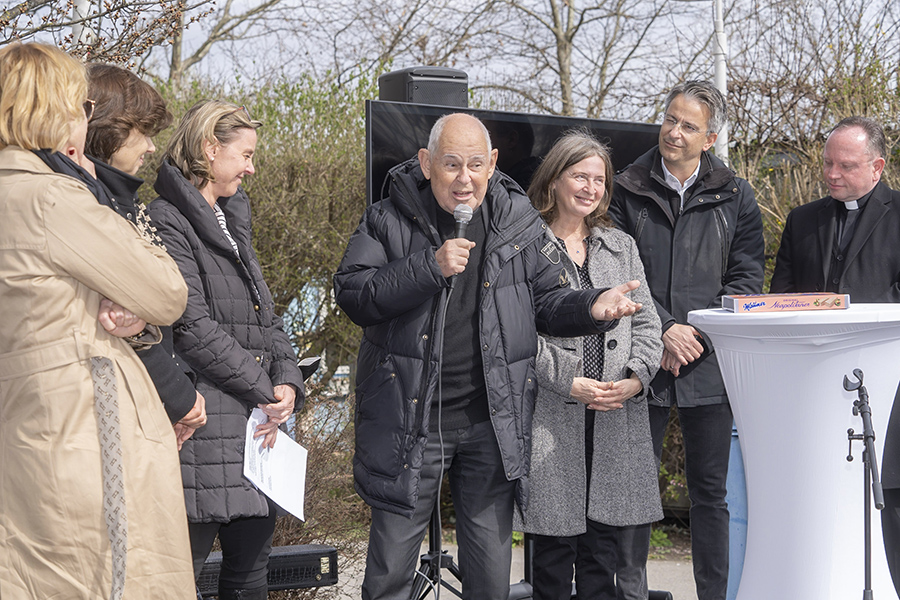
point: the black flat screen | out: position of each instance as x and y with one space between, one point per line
396 130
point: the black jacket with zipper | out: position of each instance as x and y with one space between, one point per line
715 247
173 379
389 283
229 335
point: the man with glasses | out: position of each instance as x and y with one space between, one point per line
446 367
847 243
699 233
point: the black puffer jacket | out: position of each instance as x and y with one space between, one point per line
172 378
714 248
231 337
389 282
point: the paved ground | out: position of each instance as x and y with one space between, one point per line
673 575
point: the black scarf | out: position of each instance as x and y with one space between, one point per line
60 163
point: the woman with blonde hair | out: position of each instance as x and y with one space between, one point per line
87 457
593 470
229 335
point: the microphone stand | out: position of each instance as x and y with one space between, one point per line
870 468
429 574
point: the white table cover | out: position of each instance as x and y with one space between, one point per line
784 375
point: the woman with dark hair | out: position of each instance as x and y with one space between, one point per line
593 469
128 112
87 509
229 335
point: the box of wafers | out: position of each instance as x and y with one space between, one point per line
785 302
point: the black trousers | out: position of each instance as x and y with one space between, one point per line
707 446
246 544
593 557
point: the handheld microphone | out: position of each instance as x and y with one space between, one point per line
462 214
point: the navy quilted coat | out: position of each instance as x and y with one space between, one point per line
231 337
389 283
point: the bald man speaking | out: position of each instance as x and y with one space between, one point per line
445 370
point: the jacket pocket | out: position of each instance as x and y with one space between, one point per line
639 227
380 421
722 229
638 416
134 385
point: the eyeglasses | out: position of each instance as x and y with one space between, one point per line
688 129
89 108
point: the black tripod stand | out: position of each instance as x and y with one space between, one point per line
870 468
428 577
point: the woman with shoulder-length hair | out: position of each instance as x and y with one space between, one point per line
229 335
593 470
128 112
87 457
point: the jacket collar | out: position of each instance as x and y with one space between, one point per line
874 210
601 235
123 186
507 204
598 236
16 158
645 177
173 187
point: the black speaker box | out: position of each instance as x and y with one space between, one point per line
290 568
426 85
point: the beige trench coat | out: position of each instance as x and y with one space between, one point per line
60 252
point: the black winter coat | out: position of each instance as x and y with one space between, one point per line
172 378
389 283
714 248
231 337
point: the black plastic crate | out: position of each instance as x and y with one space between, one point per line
290 568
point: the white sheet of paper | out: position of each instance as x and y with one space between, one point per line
279 472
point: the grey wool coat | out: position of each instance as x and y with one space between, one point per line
624 488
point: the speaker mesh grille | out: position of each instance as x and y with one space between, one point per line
434 91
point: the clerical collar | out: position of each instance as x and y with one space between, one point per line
859 203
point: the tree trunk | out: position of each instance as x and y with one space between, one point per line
176 68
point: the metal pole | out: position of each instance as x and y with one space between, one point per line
720 53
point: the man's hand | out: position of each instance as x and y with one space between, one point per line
119 321
453 256
277 413
682 347
613 304
668 362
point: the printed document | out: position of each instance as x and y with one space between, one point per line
279 472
